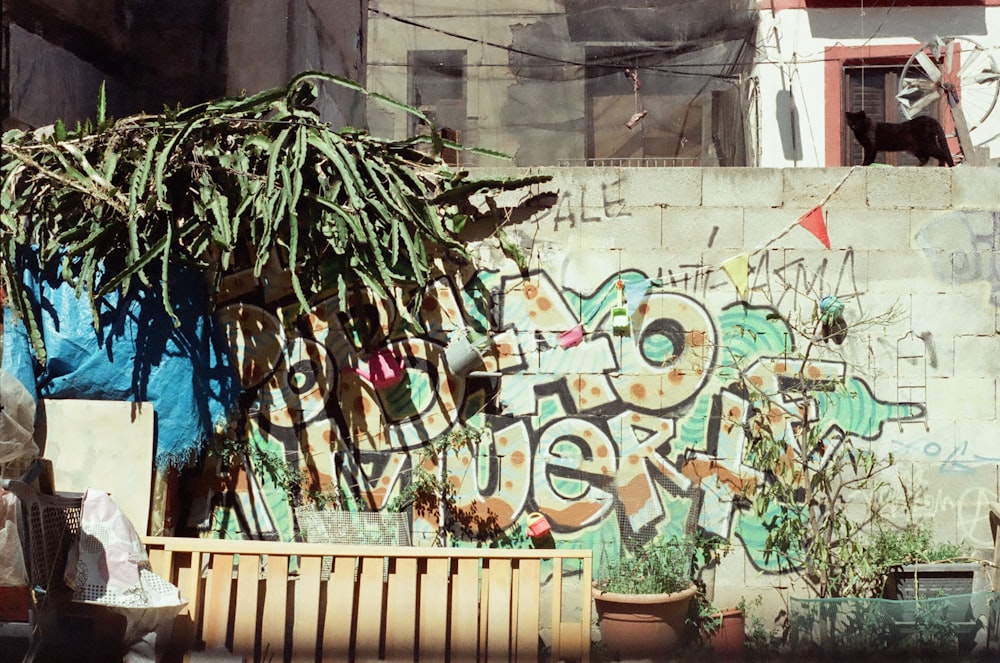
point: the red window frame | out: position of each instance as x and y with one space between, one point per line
778 5
835 58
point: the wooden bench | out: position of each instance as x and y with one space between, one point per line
317 602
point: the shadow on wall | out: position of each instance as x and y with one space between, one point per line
787 117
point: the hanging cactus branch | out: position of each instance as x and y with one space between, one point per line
196 186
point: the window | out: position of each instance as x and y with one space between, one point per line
437 87
670 133
873 89
640 111
868 73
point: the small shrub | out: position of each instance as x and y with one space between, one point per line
659 567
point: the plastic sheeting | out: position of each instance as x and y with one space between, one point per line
13 572
139 355
17 421
574 79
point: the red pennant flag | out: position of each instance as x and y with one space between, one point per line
813 222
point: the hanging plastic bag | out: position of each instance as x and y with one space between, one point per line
13 573
17 421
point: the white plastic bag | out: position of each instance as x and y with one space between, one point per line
17 421
113 569
12 570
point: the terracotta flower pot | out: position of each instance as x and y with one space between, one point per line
727 639
641 626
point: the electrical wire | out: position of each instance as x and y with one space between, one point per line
674 69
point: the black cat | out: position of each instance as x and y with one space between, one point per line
923 137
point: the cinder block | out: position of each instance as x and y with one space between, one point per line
698 228
975 448
578 188
591 392
977 356
959 231
835 188
958 311
766 228
900 352
975 188
870 229
928 188
963 398
653 263
742 187
553 255
892 290
729 575
630 228
661 186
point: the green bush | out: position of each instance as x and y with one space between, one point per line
659 567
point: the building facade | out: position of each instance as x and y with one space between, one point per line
682 83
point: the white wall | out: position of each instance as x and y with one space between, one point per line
791 47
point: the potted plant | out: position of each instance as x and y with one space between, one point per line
464 353
642 600
726 632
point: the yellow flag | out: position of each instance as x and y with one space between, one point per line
737 269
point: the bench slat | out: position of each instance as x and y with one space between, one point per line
376 602
305 625
247 590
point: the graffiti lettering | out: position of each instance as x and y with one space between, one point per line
960 251
641 431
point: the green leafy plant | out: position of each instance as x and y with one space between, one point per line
760 642
933 635
429 492
893 547
662 566
235 183
817 493
231 447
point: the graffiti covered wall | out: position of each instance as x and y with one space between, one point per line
610 396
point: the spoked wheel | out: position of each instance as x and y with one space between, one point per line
966 75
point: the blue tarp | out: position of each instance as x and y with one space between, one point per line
138 355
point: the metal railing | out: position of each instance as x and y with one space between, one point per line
633 162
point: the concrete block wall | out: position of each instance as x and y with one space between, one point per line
616 438
913 256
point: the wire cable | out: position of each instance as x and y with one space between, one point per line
548 58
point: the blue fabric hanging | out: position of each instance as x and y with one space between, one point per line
138 355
